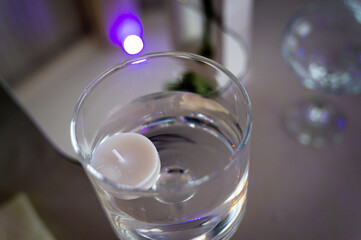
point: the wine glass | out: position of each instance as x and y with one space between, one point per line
197 115
322 45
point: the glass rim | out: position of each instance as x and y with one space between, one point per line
191 56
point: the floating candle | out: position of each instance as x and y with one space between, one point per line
128 158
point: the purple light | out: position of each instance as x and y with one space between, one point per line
127 31
341 123
301 51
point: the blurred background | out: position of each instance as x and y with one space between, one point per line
51 50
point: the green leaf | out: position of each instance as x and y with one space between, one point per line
192 82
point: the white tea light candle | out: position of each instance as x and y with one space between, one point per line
128 158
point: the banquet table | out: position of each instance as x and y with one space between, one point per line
294 191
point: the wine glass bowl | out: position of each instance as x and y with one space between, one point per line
322 45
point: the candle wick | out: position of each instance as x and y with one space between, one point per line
120 158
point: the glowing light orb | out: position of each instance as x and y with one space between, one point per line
133 44
126 31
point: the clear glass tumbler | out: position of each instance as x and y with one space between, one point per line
198 116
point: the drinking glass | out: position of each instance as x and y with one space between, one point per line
322 45
198 116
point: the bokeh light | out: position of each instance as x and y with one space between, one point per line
127 31
133 44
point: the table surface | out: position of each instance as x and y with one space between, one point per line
295 192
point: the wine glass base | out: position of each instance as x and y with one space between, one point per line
315 123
